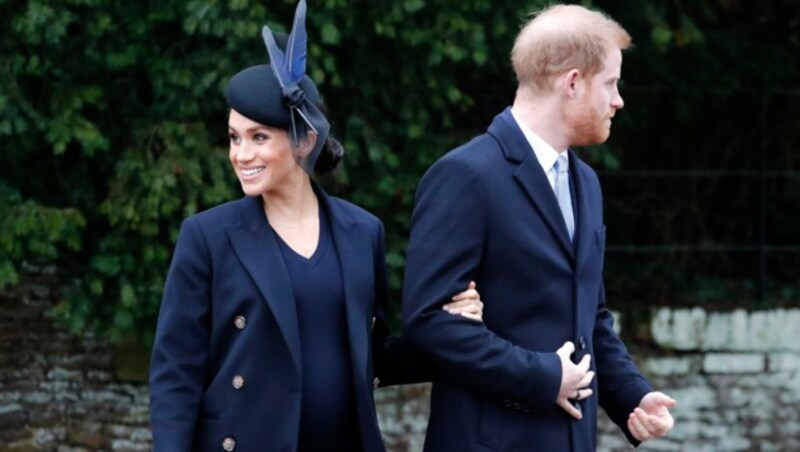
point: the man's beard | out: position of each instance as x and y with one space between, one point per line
588 127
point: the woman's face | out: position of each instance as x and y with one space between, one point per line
261 156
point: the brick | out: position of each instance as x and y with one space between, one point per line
666 366
679 329
733 363
783 362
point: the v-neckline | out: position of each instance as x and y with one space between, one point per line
317 254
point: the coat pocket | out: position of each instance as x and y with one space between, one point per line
600 236
490 427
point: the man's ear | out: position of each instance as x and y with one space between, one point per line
570 82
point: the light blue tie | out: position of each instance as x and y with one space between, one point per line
562 193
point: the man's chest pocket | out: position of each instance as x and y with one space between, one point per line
600 236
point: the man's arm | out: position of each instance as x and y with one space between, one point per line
448 234
621 386
397 361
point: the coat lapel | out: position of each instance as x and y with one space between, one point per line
354 249
530 176
257 250
356 255
583 233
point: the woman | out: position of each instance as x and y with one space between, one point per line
271 329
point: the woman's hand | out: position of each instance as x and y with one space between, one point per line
467 303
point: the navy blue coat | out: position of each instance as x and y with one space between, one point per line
226 359
486 212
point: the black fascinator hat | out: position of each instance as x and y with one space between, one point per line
256 94
280 94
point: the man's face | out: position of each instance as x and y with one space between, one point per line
588 116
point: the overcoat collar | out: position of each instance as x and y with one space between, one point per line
533 180
257 249
356 258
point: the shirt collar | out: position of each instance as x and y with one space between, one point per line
545 153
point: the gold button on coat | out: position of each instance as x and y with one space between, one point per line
240 322
229 444
238 382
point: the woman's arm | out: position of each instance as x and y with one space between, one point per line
180 350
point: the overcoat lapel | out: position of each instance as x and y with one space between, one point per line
356 258
583 233
530 176
257 250
354 249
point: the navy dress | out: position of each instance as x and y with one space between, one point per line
328 418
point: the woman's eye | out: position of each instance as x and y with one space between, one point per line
233 138
260 137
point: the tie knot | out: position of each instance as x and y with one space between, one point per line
561 164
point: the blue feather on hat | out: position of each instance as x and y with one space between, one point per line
252 91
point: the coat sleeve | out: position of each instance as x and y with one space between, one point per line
181 350
448 234
620 384
397 361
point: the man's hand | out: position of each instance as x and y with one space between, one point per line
574 380
651 419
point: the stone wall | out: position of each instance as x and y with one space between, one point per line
736 376
56 390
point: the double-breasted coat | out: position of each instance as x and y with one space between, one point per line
225 371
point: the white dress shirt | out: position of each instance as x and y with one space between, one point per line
545 153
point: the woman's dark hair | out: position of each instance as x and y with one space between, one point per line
329 157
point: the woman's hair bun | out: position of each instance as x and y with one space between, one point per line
329 157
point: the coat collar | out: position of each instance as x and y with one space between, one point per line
356 258
530 175
533 180
257 249
252 217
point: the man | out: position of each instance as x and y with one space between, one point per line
516 211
